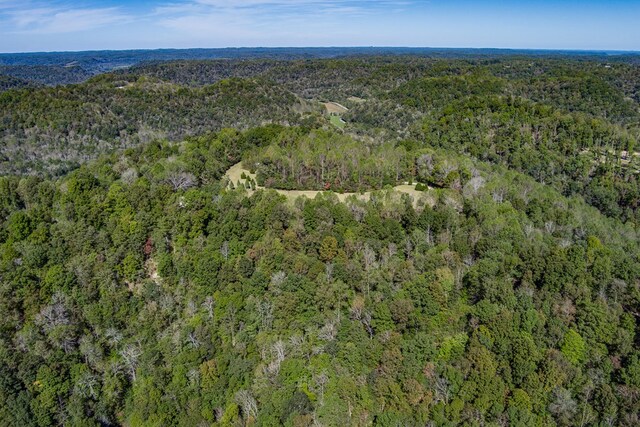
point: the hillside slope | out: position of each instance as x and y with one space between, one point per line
52 130
139 290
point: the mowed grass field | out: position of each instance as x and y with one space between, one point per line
337 121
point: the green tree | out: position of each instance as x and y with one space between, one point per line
574 347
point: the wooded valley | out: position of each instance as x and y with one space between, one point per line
139 287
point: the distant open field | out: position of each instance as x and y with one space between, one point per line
335 108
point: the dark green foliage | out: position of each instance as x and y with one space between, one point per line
575 153
572 123
130 300
9 82
37 75
323 160
139 289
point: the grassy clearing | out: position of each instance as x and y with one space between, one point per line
356 99
337 121
234 174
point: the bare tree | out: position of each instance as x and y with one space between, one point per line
563 405
320 381
224 250
54 314
369 257
194 376
191 308
328 331
265 311
441 389
208 305
328 270
425 164
90 350
366 321
296 343
550 227
86 385
357 308
113 336
279 350
180 180
473 186
230 318
408 248
130 355
193 340
357 211
498 195
247 404
278 354
370 264
277 279
528 230
129 176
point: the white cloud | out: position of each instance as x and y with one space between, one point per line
299 7
57 20
248 20
258 22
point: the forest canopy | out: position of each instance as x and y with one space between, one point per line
140 287
135 301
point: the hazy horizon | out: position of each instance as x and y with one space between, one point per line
435 48
48 26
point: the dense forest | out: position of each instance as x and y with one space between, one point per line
53 130
323 160
131 297
95 62
140 287
9 82
570 123
46 74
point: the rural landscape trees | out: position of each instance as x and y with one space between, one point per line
137 287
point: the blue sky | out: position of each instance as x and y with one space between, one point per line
36 25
